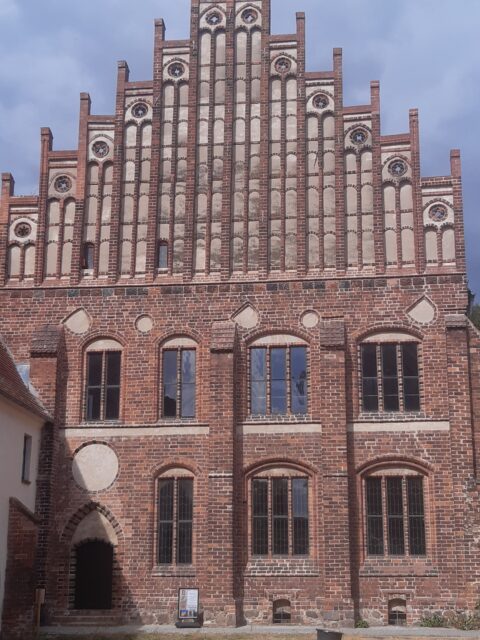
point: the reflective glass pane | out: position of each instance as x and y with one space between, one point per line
300 497
258 360
258 398
188 365
188 401
278 396
278 363
298 382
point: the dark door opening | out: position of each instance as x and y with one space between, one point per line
93 575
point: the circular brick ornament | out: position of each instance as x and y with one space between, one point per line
100 149
213 18
310 319
95 467
320 101
249 16
358 136
144 324
23 230
140 110
176 70
283 65
438 213
62 184
397 168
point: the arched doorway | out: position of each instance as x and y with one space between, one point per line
93 575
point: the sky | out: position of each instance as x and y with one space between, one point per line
425 53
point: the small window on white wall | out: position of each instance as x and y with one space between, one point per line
27 458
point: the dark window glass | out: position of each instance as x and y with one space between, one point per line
416 516
396 540
373 488
188 384
300 515
298 379
88 255
390 377
411 388
280 516
26 458
94 385
369 377
278 380
170 384
258 378
184 520
112 386
260 517
165 521
162 255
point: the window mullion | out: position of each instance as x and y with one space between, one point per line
290 517
406 527
269 383
179 383
103 386
378 352
175 521
386 547
288 380
270 518
401 399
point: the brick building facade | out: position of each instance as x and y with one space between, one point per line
246 310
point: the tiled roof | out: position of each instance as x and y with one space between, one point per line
13 387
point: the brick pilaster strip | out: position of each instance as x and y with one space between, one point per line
8 187
118 158
80 195
264 215
227 244
417 194
378 216
46 140
339 163
301 149
459 228
190 204
153 209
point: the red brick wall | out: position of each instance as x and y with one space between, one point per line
20 583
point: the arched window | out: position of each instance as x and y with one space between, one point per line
390 373
279 500
175 517
103 374
278 376
178 378
395 512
